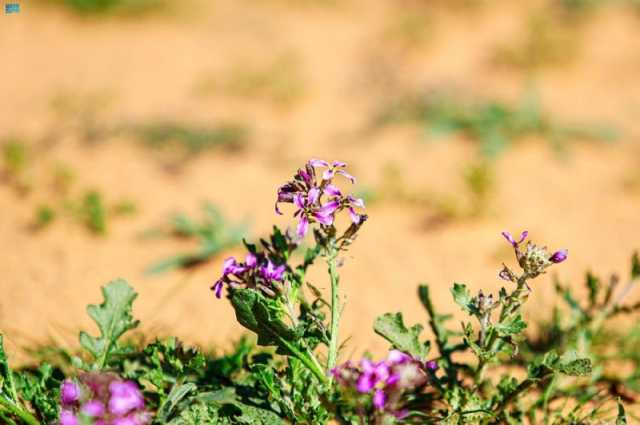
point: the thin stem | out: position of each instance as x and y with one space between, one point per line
27 417
335 307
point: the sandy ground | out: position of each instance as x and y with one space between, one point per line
151 67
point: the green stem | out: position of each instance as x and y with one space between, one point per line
307 358
335 307
27 417
512 304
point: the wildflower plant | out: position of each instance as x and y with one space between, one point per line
489 371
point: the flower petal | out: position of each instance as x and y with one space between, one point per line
328 175
326 219
332 190
313 195
318 163
347 175
559 256
299 201
303 226
509 238
217 288
365 383
379 399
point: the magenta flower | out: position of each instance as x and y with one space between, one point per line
559 256
270 272
306 192
385 382
104 398
257 272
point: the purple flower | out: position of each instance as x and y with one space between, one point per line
68 418
69 392
270 272
125 397
372 374
93 408
512 241
559 256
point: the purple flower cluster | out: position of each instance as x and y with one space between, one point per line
104 399
316 198
533 259
385 381
257 271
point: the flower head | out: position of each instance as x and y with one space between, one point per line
257 271
318 200
533 259
385 382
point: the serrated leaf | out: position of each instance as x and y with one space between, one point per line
113 318
511 326
392 328
463 298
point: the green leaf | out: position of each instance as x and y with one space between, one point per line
113 318
7 384
463 298
392 328
570 364
254 313
511 326
178 392
622 416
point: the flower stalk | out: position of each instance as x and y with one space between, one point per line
335 307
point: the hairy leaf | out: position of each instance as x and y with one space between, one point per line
511 326
253 312
392 328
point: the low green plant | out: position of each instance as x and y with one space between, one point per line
493 124
15 164
489 370
214 234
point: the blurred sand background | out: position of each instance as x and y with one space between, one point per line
340 62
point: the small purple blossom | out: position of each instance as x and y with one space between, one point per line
385 382
257 271
270 272
559 256
104 398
